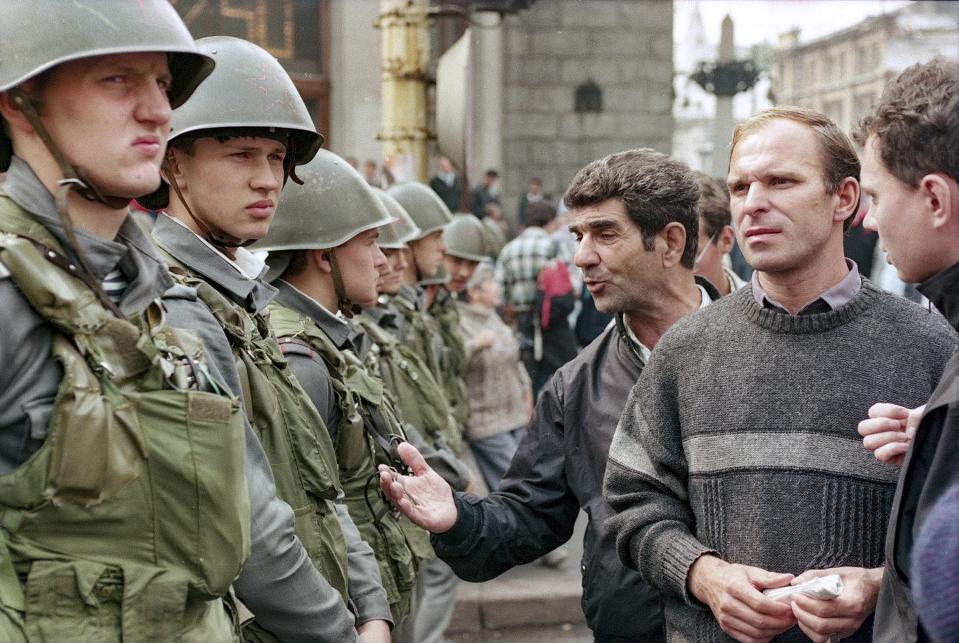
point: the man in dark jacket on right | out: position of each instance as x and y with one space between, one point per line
634 215
911 170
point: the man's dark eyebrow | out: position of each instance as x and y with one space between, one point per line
594 224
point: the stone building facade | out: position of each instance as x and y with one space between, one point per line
843 74
620 51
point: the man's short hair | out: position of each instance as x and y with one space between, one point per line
713 204
536 180
540 213
493 174
916 123
839 158
655 189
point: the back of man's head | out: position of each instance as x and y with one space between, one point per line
916 123
540 214
713 204
655 189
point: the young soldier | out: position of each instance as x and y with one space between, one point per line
110 530
233 147
324 260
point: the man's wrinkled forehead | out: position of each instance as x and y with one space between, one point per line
607 214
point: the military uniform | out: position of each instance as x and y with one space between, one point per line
226 308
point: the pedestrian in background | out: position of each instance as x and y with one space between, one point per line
500 396
484 193
447 184
716 235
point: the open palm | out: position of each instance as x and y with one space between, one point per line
424 497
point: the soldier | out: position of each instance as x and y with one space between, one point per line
110 530
228 160
324 260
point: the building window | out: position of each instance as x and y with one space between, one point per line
295 31
588 98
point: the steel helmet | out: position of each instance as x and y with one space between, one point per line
397 234
333 205
424 206
465 238
38 35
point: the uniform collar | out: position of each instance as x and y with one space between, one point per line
199 256
131 250
334 326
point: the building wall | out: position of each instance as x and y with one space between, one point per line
624 47
843 75
355 103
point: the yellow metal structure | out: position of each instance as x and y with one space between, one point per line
405 46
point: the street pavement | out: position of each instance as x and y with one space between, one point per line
530 603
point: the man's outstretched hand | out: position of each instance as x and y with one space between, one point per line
424 497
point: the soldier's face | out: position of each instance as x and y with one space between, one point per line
428 253
391 277
110 115
361 261
460 271
233 185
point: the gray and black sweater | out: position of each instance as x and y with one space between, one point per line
740 439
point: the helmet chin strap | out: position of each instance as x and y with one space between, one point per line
343 303
74 178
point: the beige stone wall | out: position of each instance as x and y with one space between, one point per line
623 46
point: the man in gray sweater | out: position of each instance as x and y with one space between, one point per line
736 465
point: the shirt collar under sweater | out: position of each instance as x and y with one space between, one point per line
942 290
777 320
830 299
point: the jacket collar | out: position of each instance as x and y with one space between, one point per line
632 347
131 250
943 291
200 257
336 328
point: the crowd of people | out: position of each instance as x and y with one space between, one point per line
251 394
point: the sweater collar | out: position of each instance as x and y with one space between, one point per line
942 290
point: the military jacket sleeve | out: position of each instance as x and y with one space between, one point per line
365 583
533 512
278 567
314 376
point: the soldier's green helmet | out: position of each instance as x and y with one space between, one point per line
248 93
398 234
333 205
466 239
424 206
37 35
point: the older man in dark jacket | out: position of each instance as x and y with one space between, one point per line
910 170
636 251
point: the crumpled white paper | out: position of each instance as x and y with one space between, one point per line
824 588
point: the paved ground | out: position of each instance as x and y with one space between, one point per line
531 603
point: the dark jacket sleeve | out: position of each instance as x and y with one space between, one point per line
645 484
533 512
278 568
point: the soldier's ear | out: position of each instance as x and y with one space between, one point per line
321 259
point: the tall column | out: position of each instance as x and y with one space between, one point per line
486 135
723 123
405 55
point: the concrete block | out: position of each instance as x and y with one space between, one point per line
653 15
550 99
601 70
517 98
659 100
632 70
565 42
571 153
517 42
542 152
598 148
616 42
539 70
661 47
595 13
532 610
625 98
467 612
585 126
531 126
517 153
540 15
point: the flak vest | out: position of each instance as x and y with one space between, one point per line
413 387
133 518
292 433
454 367
367 434
423 335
